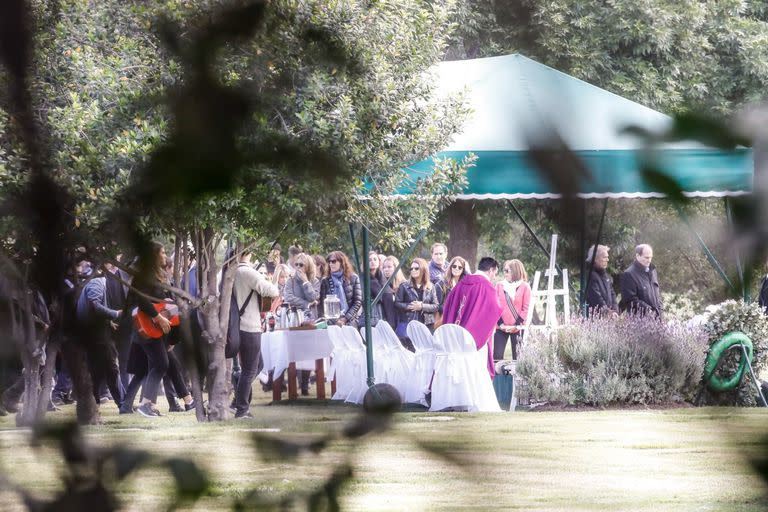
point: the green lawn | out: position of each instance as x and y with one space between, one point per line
680 459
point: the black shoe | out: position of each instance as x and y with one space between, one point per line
3 412
9 405
126 409
148 410
304 392
245 414
174 407
190 406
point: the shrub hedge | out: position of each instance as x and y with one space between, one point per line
603 361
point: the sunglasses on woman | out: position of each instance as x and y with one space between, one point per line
300 265
333 261
415 268
457 267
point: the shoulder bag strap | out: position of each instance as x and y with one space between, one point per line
245 304
512 308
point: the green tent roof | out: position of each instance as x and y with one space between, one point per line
515 100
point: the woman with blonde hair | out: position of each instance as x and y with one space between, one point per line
416 300
514 295
303 289
388 268
342 282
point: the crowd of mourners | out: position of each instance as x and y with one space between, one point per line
128 366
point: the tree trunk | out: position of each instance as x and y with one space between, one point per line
463 231
24 328
215 317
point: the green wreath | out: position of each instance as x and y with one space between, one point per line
717 351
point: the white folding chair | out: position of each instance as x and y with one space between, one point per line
461 378
424 362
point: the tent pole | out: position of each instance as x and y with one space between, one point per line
582 250
530 230
594 254
406 256
367 308
535 238
710 257
355 254
739 266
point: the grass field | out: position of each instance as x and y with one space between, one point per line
670 460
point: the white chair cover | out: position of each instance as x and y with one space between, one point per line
461 378
381 356
424 363
392 362
341 365
358 364
401 359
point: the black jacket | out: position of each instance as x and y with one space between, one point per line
640 292
353 292
407 294
600 294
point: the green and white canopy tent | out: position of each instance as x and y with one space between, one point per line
515 100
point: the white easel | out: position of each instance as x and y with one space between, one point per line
549 295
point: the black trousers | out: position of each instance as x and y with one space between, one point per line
251 363
157 362
102 361
500 344
173 382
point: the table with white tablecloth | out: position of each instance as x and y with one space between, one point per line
287 349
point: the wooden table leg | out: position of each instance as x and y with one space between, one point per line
277 385
320 378
333 386
293 393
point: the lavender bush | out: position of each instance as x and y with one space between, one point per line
601 361
730 316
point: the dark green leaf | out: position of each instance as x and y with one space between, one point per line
191 481
273 449
330 491
127 460
661 182
708 130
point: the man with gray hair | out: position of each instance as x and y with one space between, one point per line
600 297
640 291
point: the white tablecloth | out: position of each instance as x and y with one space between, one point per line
279 348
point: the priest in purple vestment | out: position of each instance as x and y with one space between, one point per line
473 304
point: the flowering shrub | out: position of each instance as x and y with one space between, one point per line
730 316
681 306
601 361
